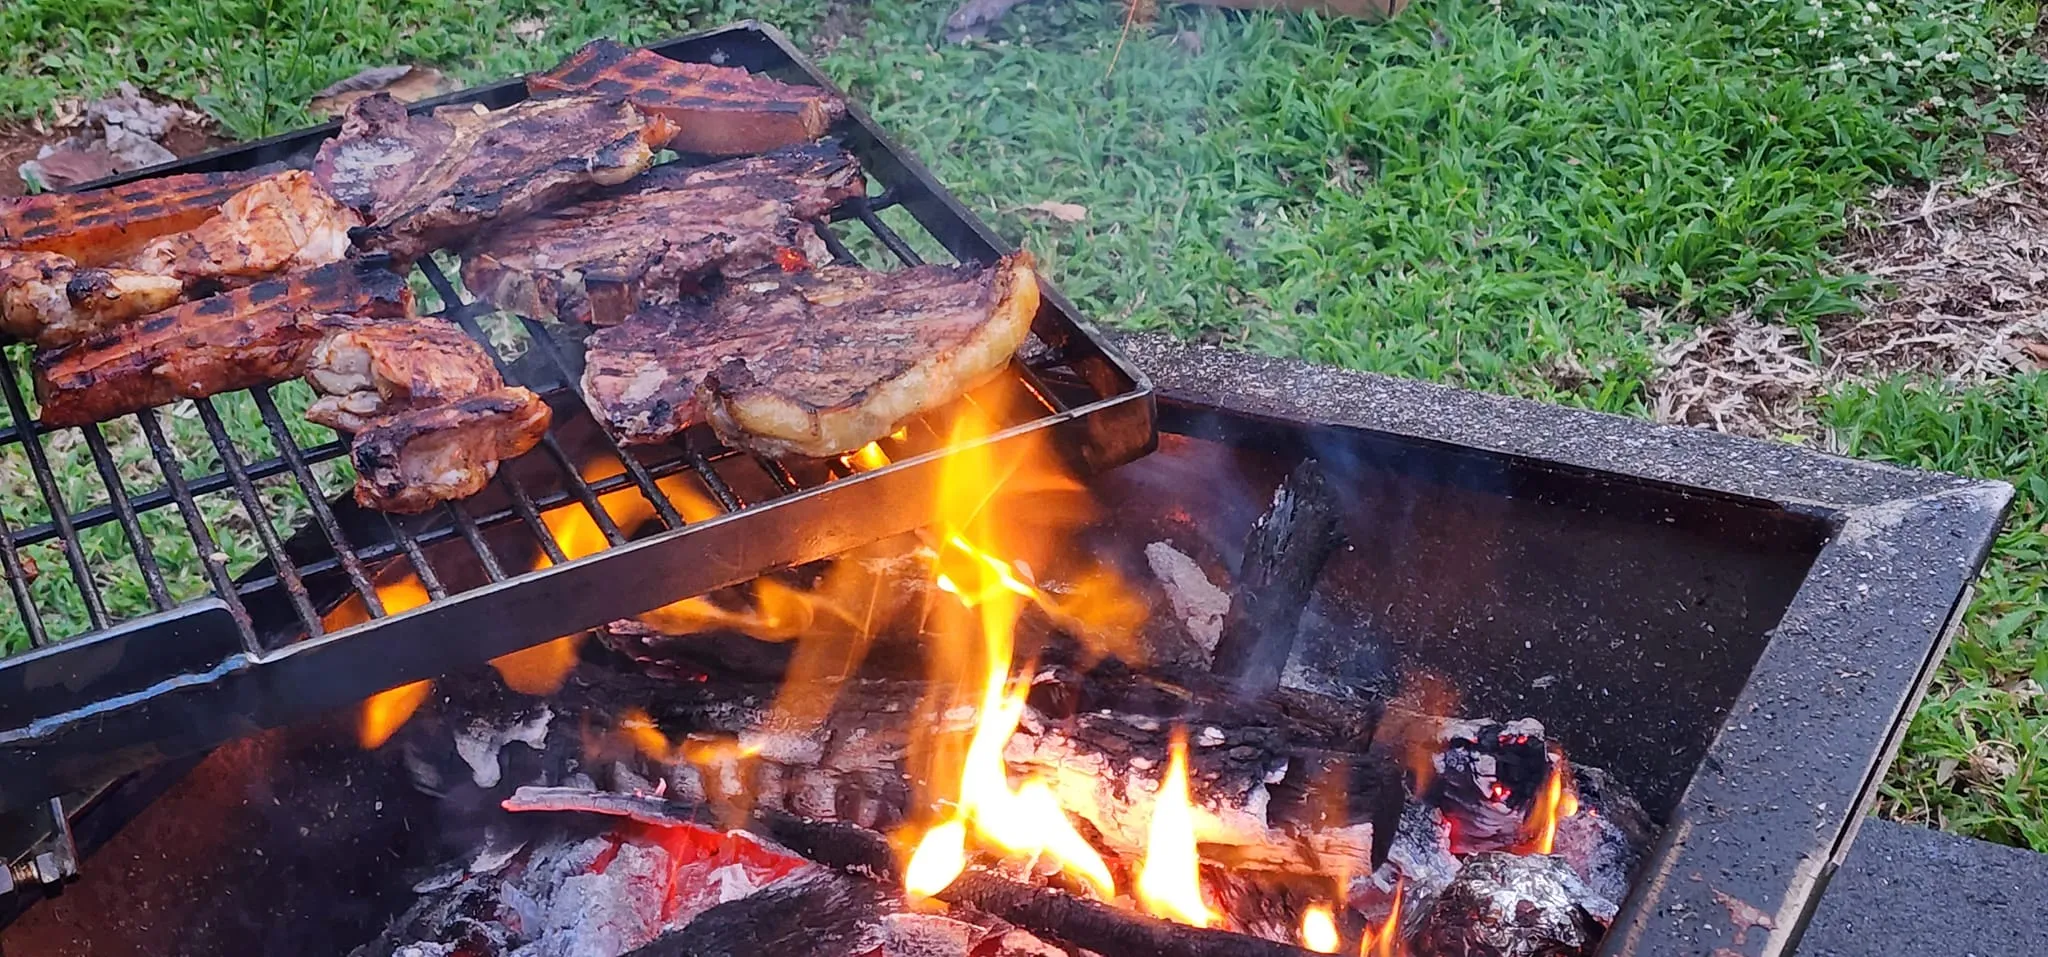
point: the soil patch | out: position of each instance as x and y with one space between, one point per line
20 141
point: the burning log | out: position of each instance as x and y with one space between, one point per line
817 913
1283 554
1099 927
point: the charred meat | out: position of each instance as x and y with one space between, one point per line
411 461
99 227
47 299
424 181
367 369
598 260
256 335
282 222
721 111
814 364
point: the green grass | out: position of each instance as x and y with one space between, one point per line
1483 197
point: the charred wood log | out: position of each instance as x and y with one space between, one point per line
1099 927
1283 555
818 913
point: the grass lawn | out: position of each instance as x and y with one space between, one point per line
1494 196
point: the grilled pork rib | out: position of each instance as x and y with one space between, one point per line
368 369
411 461
98 227
815 364
599 259
281 222
423 181
256 335
48 299
721 111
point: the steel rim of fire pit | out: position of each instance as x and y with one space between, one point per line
1798 758
194 675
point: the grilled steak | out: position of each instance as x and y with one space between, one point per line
717 110
423 181
281 222
101 226
368 369
815 364
600 259
414 460
48 299
251 336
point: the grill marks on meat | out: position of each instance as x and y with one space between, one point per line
598 260
721 111
50 300
256 335
423 181
368 369
409 462
98 227
812 365
286 221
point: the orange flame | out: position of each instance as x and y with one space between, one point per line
869 458
1387 941
1319 929
1170 882
386 711
1553 805
980 562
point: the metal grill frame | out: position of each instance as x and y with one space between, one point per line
125 695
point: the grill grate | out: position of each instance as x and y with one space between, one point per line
182 483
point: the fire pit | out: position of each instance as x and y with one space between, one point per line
1347 664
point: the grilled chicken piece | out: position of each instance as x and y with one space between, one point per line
47 299
252 336
722 111
282 222
598 260
409 462
423 181
368 369
815 364
99 227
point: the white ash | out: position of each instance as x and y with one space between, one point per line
1198 604
481 744
607 914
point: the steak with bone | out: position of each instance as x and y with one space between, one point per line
811 364
255 335
423 181
367 369
414 460
50 300
101 226
282 222
721 111
600 259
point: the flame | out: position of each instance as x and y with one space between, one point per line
985 512
1423 694
1170 882
1386 942
869 458
1553 805
386 711
1319 929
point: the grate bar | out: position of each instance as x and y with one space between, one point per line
713 481
418 558
117 497
195 525
836 246
231 462
466 526
889 237
155 499
17 582
666 510
316 499
60 514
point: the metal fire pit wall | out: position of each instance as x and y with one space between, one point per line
1586 587
96 696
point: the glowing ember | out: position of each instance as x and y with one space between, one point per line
1319 929
1553 805
1170 882
792 260
1386 942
